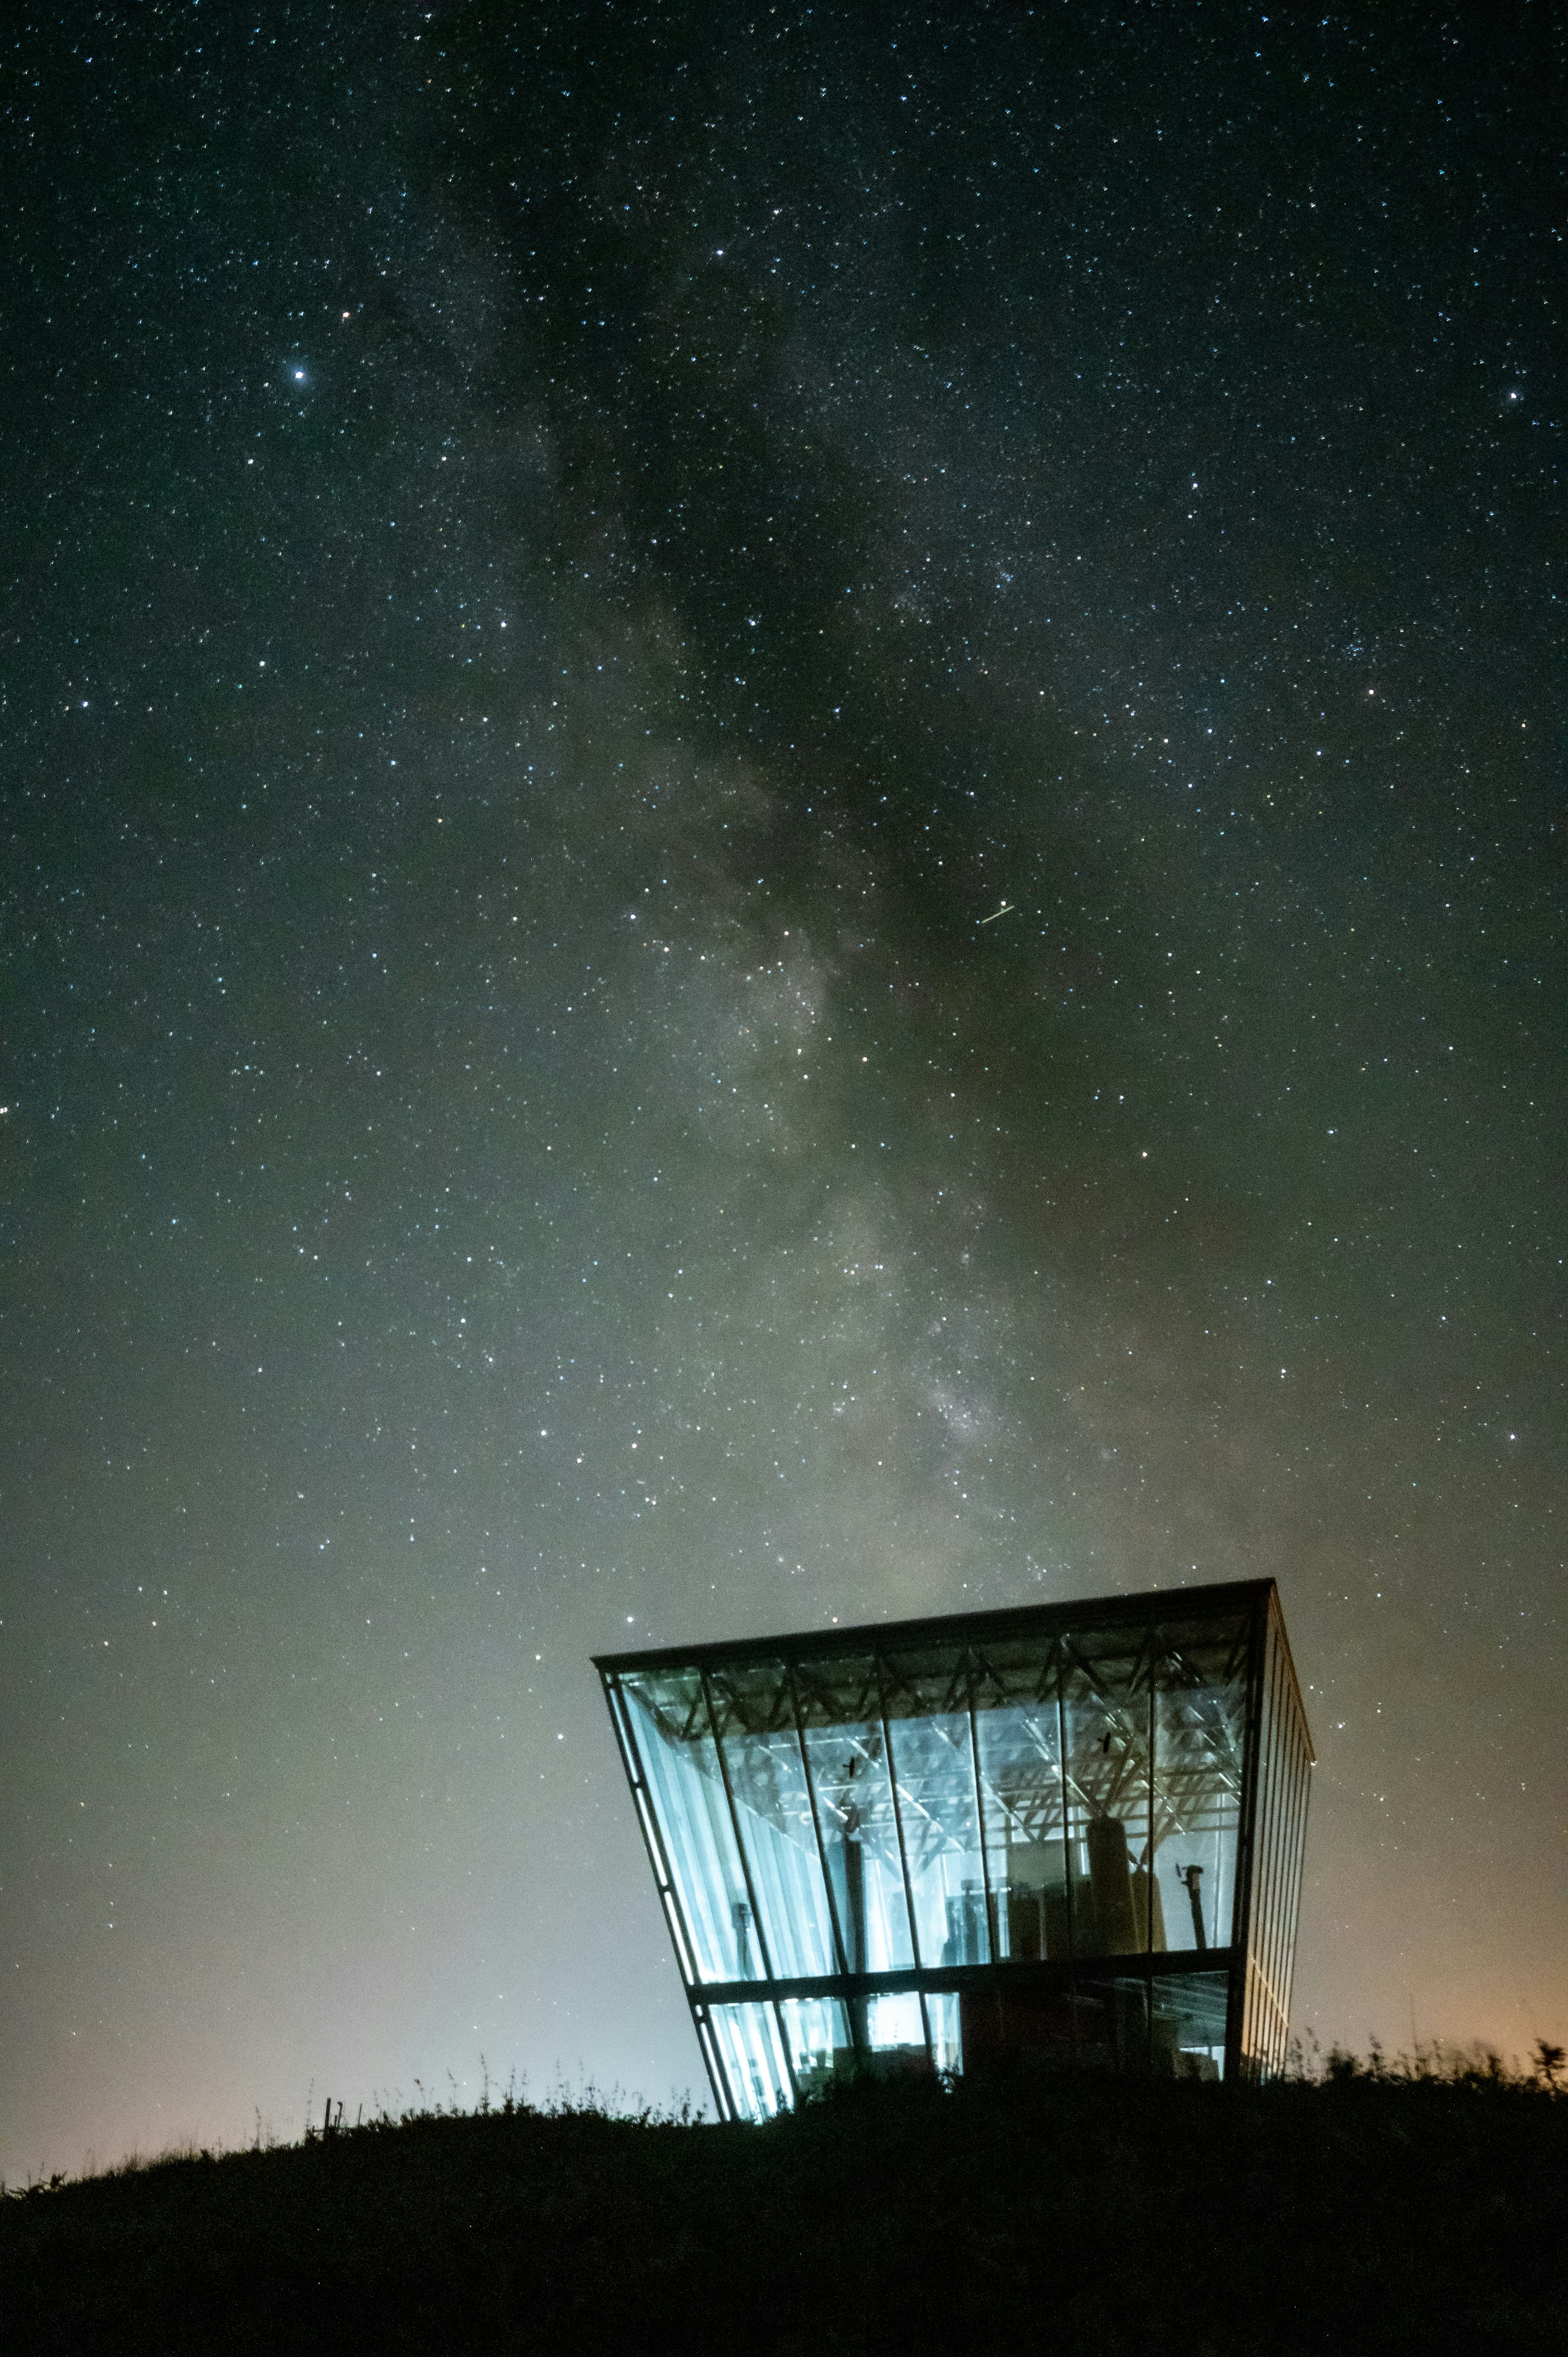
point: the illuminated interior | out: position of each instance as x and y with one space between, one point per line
1064 1837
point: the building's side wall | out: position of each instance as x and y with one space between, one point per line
1284 1773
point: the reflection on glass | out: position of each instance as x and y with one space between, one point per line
670 1728
753 2056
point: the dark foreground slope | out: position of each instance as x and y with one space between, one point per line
1073 2217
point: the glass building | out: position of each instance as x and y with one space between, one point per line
1071 1834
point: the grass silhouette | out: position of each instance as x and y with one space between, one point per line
1365 2205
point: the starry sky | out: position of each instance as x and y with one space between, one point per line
781 844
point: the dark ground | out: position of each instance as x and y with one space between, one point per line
1359 2216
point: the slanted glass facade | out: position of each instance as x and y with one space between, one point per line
1068 1835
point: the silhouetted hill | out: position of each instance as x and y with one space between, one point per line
1364 2216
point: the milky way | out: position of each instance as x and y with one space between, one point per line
780 809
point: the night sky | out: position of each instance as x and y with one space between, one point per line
781 844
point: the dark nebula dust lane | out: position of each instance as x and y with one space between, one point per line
782 843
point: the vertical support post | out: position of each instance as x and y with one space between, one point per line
992 1942
1153 1661
1149 1835
1067 1842
734 1824
1067 1877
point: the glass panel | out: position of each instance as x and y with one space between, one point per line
929 1727
748 2044
947 2047
840 1711
822 2047
895 2031
817 2031
1188 2031
1016 2023
1200 1724
1113 2025
1017 1734
754 1711
1123 2022
680 1763
1106 1698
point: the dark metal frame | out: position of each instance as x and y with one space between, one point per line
1276 1763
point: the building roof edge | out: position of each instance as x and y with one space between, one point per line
1184 1603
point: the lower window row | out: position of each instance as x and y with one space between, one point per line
775 2055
